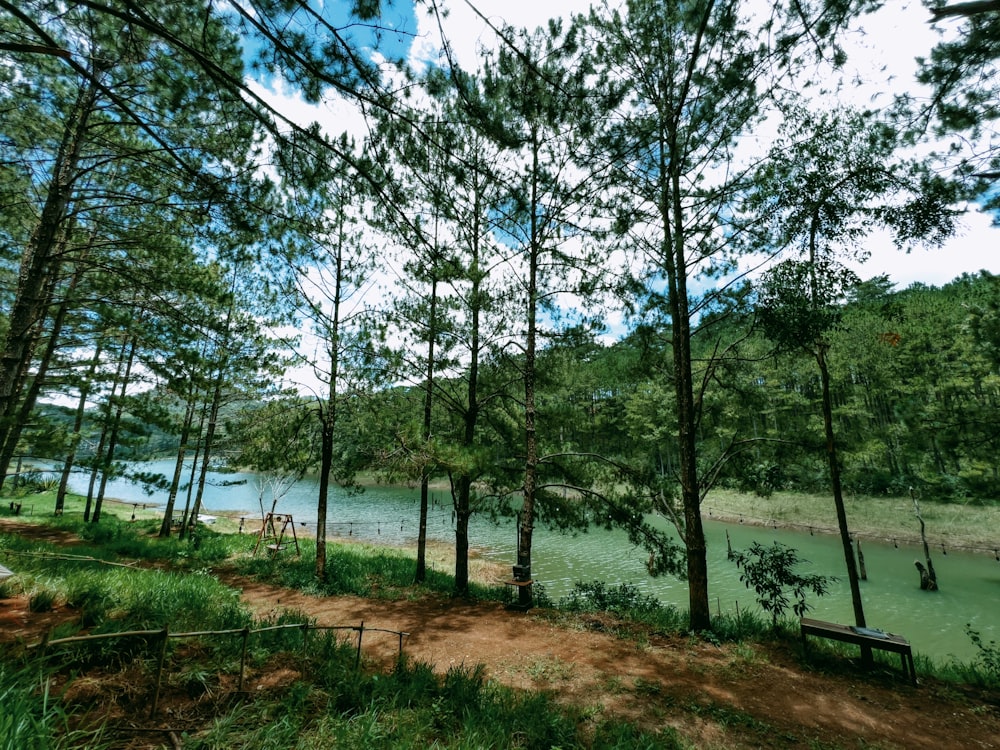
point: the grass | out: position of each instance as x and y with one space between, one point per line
32 718
331 703
886 518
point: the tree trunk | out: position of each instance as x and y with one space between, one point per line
928 578
109 456
185 523
206 457
421 572
838 500
81 410
31 396
166 525
36 269
527 519
463 501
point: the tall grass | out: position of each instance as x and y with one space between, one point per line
411 707
354 569
31 719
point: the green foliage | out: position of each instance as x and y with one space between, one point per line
597 596
32 719
625 601
987 661
770 572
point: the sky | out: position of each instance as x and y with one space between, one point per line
884 56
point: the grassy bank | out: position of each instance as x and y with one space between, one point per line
887 518
323 698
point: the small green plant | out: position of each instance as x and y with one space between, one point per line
42 600
988 656
770 572
597 596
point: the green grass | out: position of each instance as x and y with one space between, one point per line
333 703
883 517
356 569
32 719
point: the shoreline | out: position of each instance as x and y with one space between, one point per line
889 520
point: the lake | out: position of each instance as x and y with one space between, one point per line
934 622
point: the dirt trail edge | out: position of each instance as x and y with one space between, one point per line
658 680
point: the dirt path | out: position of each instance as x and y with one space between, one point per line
696 687
733 696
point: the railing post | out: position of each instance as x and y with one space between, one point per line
159 672
361 632
243 657
305 645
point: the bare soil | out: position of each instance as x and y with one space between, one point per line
729 696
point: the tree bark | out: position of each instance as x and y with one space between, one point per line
81 410
166 525
526 523
109 455
838 500
421 571
928 577
36 269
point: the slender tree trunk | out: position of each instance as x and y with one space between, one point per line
527 519
100 452
189 495
463 505
674 253
928 576
31 395
182 448
206 458
36 269
109 456
421 572
81 411
838 500
328 414
326 468
94 471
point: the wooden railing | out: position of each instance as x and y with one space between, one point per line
164 635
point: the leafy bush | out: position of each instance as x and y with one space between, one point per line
597 596
988 656
770 572
624 601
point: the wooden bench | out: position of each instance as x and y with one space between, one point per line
862 637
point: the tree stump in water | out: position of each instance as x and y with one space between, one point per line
928 578
928 581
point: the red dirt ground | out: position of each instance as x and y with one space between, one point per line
733 696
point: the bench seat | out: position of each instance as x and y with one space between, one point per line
862 637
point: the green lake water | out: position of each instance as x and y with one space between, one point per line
934 622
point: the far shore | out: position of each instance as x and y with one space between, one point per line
971 527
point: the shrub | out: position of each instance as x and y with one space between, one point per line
597 596
770 572
988 657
